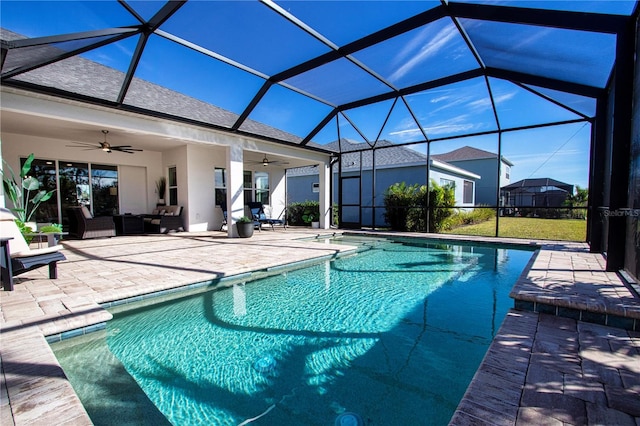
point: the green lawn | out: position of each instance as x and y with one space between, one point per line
524 227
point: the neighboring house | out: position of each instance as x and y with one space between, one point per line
482 163
539 192
393 164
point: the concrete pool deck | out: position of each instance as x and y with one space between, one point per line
546 365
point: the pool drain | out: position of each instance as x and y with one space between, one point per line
349 419
265 364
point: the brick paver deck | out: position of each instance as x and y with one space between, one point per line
540 369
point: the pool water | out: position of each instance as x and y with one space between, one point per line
389 336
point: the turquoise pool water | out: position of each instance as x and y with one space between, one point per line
389 336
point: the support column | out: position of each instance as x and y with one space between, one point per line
278 196
324 170
597 177
235 188
621 152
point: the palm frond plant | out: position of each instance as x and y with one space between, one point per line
19 190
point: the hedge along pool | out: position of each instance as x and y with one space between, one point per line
390 336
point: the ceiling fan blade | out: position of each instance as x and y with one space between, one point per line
86 148
83 145
122 149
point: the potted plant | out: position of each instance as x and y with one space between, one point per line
24 206
161 188
244 225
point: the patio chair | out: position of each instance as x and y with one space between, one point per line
223 206
83 225
17 258
257 214
257 211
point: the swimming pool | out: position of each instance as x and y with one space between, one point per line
391 335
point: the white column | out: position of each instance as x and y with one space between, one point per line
324 170
277 186
235 190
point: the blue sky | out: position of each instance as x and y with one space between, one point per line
255 36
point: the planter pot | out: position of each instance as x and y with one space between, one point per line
245 230
315 225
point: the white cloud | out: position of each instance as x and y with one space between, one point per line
417 51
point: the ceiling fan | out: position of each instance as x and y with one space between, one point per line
105 146
266 162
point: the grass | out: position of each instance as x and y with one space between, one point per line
525 227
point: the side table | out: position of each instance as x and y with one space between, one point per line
128 224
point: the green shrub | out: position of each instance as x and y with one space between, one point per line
405 206
441 201
303 213
398 199
468 217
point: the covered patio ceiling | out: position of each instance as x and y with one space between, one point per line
307 73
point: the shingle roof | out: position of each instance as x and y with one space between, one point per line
391 155
537 182
98 82
467 153
384 157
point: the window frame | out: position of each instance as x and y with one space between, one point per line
467 191
172 185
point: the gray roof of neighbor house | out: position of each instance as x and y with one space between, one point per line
387 155
467 153
536 183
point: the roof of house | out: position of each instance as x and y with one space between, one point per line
97 82
537 182
467 153
358 154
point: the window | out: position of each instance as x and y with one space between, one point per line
261 180
507 170
173 186
104 189
447 183
220 185
256 187
92 185
248 187
467 192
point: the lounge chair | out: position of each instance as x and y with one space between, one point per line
18 258
83 225
257 211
